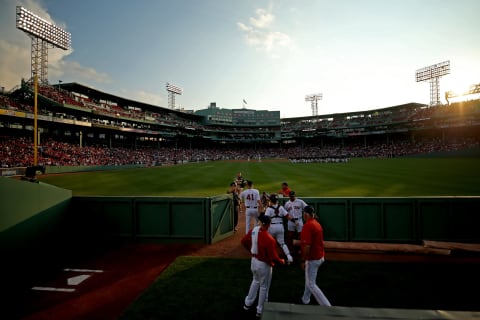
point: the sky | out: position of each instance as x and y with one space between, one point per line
359 54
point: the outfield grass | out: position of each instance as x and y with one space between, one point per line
400 177
214 288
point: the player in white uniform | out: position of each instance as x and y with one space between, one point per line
240 181
294 207
277 213
251 205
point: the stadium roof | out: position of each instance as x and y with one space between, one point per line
100 95
93 93
411 105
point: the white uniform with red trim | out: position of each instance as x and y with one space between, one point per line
250 197
277 213
295 210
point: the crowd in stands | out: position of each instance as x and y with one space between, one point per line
366 119
18 152
374 118
111 109
116 116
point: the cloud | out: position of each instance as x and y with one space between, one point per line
15 50
146 97
263 20
74 70
259 35
13 64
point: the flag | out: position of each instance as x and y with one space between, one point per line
244 101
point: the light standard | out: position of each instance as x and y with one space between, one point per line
314 100
433 73
43 35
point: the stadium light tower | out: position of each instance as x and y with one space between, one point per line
44 35
313 98
433 73
172 91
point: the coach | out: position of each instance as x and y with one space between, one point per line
313 255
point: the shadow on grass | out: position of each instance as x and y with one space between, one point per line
214 288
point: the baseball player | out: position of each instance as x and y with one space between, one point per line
240 181
277 213
235 191
251 205
263 248
294 207
265 202
285 190
313 256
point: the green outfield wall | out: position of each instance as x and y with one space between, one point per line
41 224
399 220
207 220
29 211
20 171
166 219
32 229
70 169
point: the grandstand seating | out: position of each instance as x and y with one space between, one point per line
117 133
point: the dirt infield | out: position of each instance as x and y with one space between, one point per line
113 280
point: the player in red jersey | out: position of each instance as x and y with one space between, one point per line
313 255
263 248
